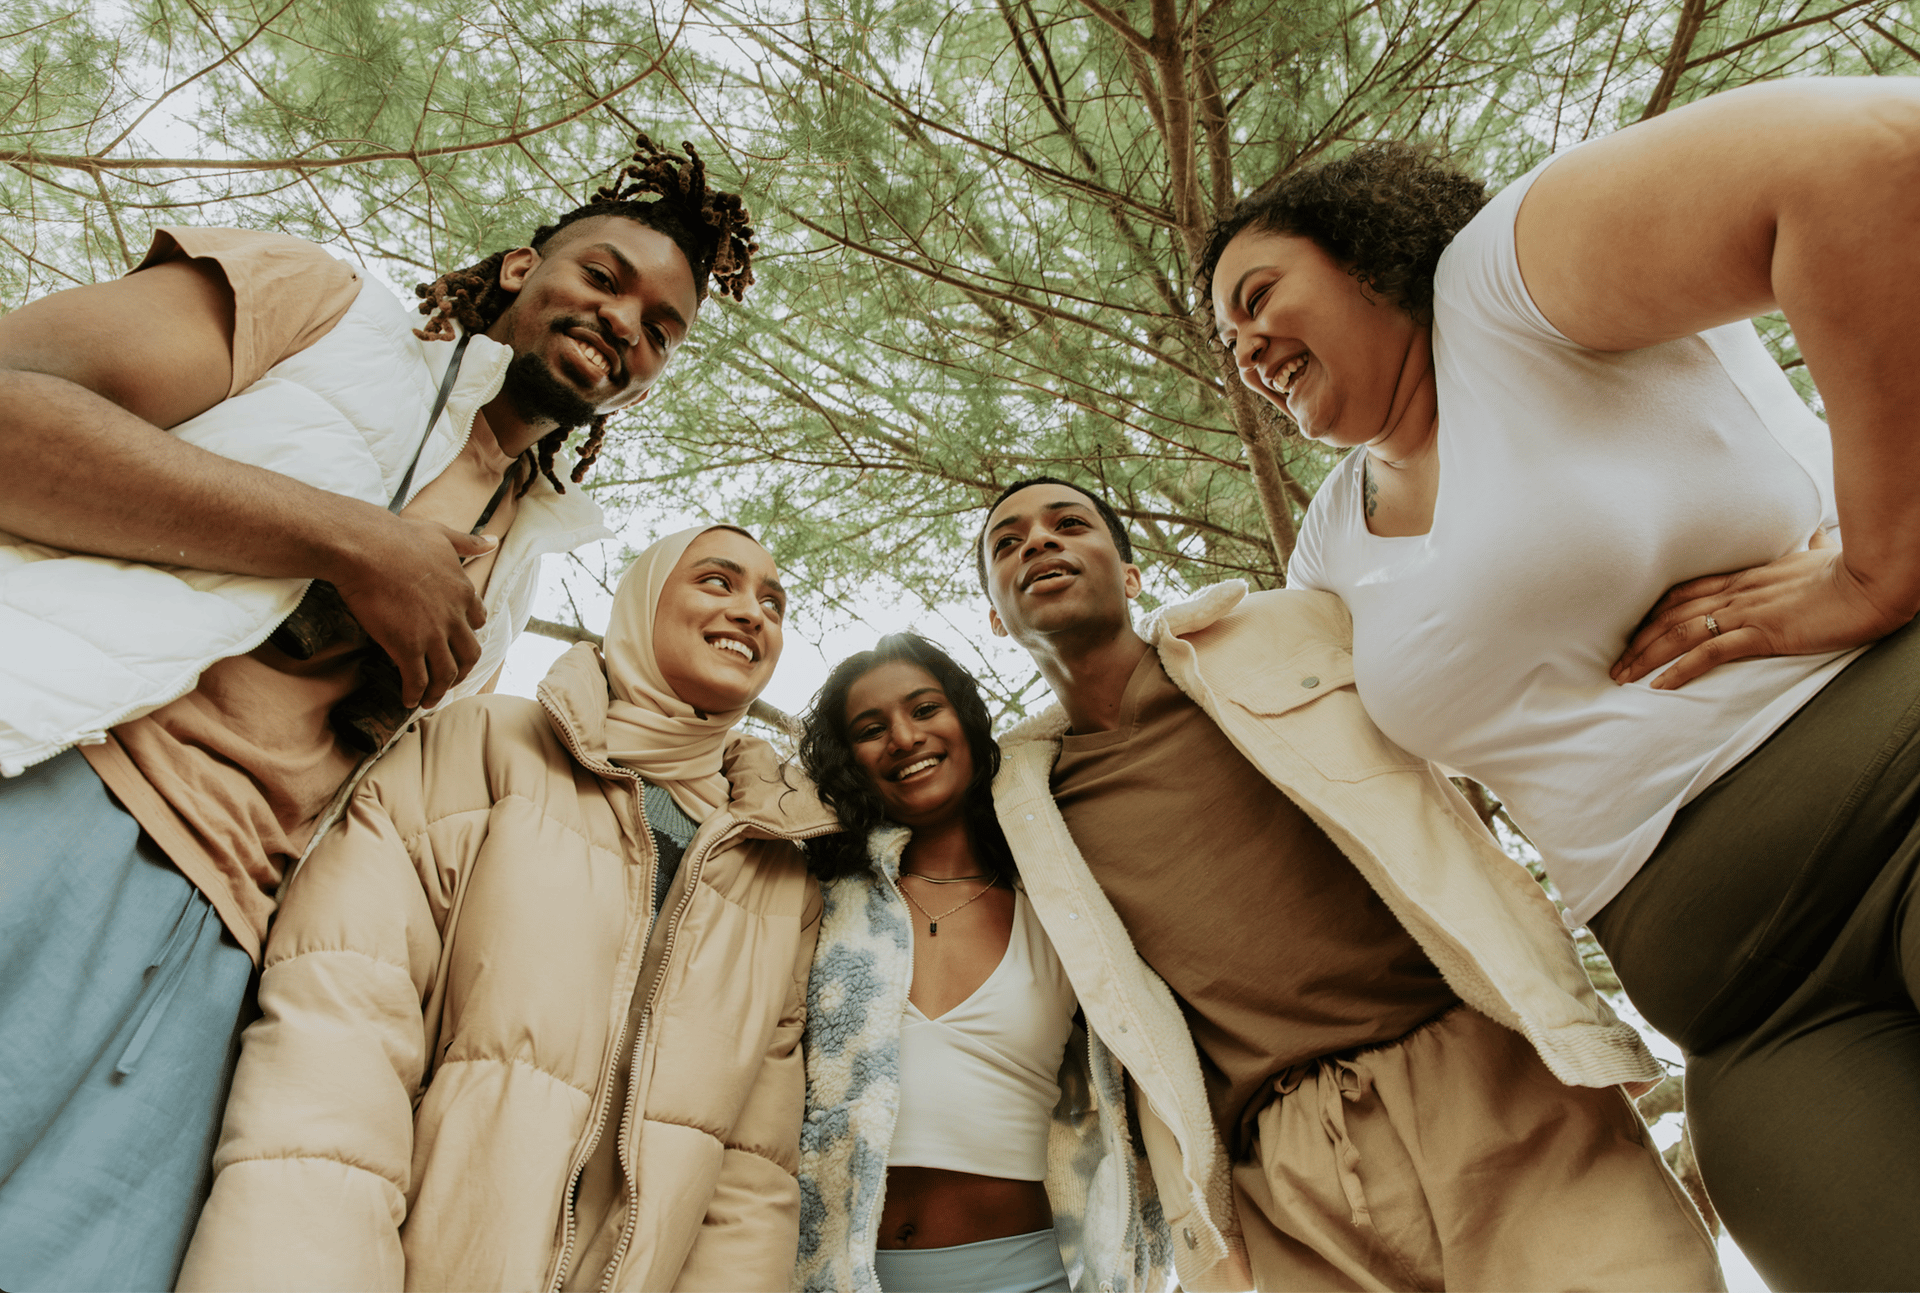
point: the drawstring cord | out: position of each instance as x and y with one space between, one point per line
172 965
1342 1084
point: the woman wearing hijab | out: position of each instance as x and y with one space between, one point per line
531 1014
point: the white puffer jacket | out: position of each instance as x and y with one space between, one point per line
92 642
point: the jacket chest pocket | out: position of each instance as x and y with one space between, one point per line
1308 702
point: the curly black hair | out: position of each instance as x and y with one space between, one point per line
712 229
1384 210
827 756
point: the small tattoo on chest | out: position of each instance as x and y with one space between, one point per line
1369 487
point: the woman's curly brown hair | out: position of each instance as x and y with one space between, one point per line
1386 211
712 229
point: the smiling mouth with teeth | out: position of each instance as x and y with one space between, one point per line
1289 373
593 357
739 648
916 768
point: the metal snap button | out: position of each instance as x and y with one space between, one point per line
1310 681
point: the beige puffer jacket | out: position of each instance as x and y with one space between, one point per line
446 994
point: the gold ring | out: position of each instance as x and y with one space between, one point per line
1713 626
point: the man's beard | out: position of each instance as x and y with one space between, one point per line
537 392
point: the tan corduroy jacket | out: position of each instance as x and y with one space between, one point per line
446 993
1274 670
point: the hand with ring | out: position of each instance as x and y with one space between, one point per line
1801 604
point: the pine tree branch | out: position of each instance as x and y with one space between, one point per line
1781 30
1692 14
1036 307
417 156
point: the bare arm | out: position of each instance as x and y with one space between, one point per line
1797 196
88 380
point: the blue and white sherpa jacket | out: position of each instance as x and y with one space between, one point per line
1106 1212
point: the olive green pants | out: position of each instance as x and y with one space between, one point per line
1775 935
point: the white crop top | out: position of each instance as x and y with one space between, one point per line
978 1084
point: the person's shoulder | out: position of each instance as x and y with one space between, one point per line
764 789
1334 509
1477 283
487 733
1287 617
281 252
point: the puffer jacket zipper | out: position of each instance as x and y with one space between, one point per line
694 862
694 866
584 1153
697 864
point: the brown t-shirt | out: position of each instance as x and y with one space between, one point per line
230 778
1279 950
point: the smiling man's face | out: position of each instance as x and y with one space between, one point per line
596 317
1052 567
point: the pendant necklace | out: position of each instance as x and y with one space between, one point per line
933 921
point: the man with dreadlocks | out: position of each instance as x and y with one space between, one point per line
187 447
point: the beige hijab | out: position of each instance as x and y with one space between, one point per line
649 729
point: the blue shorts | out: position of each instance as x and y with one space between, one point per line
121 999
1017 1264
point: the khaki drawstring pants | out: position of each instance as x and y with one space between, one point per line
1452 1159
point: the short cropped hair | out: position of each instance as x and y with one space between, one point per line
1115 526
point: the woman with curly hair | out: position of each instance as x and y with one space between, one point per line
1589 537
963 1132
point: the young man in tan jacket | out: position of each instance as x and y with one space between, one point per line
1366 1054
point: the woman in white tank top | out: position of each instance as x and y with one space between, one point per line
1561 418
959 1124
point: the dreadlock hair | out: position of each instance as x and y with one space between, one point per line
712 229
826 753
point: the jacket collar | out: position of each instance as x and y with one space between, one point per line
1199 611
764 796
886 846
1175 620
